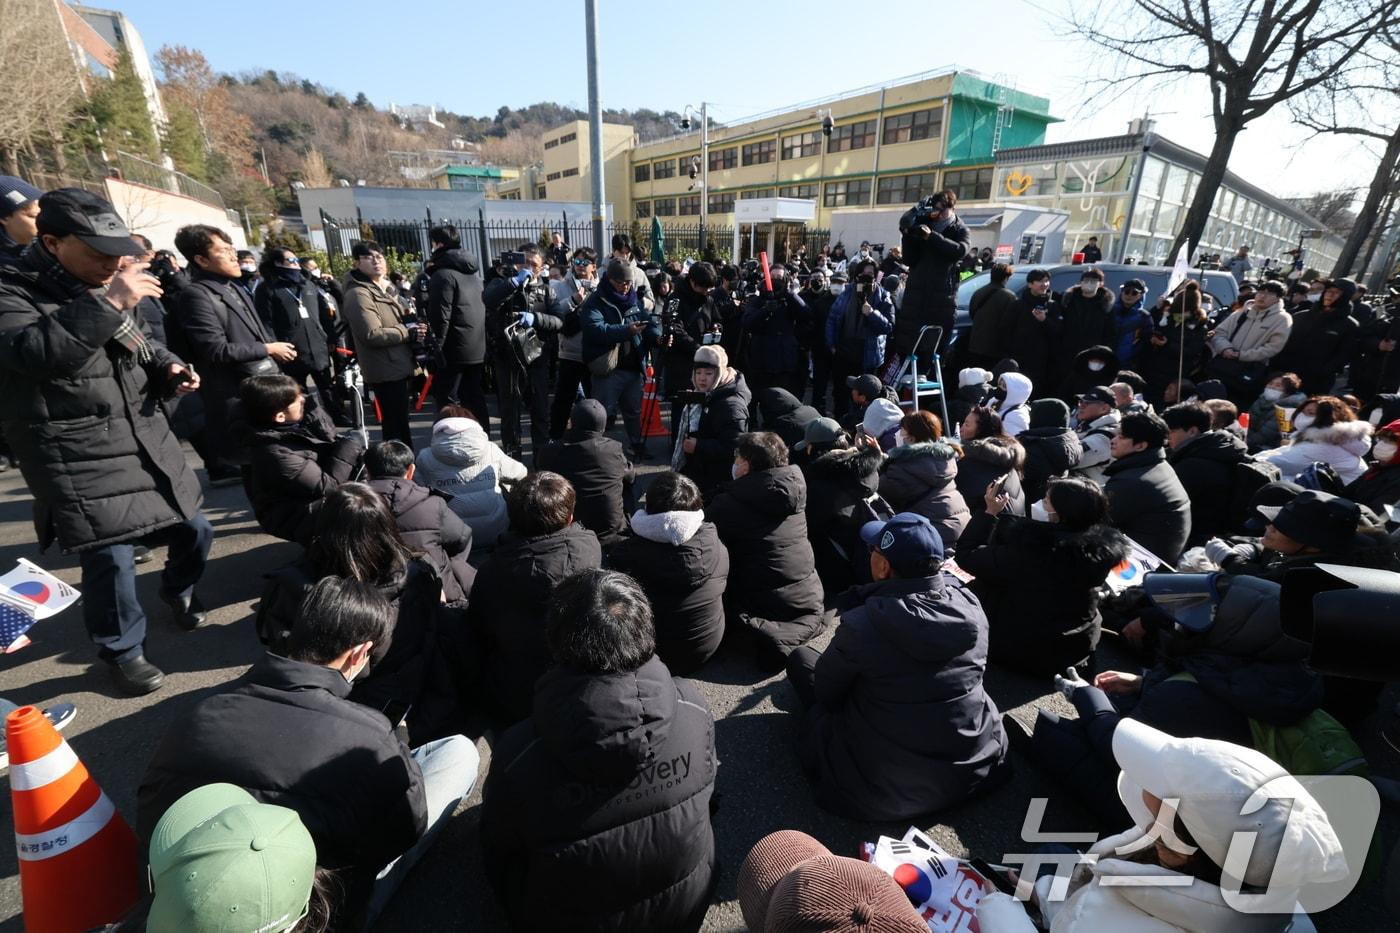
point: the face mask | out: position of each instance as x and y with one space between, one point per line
1088 288
1375 418
734 471
1384 451
1096 366
248 267
900 440
1303 422
1038 512
1273 395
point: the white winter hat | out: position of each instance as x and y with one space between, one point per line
972 376
453 426
1216 784
881 416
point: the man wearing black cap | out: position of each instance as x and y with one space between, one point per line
19 209
80 379
862 390
1096 421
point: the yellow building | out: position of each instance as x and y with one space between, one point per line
565 173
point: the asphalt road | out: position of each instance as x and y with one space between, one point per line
760 787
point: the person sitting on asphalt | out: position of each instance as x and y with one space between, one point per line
1145 498
784 414
679 561
372 805
602 796
543 547
843 488
1205 461
863 390
424 520
920 475
989 452
1326 430
774 595
462 462
711 426
881 422
295 457
1012 392
1282 392
1379 486
1052 448
1096 421
896 722
974 389
596 466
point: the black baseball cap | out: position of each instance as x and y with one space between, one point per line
868 385
1099 394
75 212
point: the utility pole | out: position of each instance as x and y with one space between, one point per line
595 124
704 172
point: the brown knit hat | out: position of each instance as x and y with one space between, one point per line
791 882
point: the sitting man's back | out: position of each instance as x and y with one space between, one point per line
595 465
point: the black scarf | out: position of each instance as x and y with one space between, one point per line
128 337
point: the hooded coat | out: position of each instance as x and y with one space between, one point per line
427 524
1206 466
1264 433
598 469
602 799
987 459
901 726
1148 504
463 463
1050 452
293 467
922 478
683 567
1015 414
509 606
1084 321
1322 342
1379 486
773 584
839 482
724 415
1340 445
1038 584
456 312
784 414
1080 378
1095 439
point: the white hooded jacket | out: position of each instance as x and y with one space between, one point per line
463 463
1015 413
1340 445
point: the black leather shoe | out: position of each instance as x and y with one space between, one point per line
138 676
187 611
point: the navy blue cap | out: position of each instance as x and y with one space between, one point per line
15 193
908 541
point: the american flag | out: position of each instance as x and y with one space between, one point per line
13 623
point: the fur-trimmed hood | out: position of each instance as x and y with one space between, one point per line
846 466
1003 453
667 527
1352 436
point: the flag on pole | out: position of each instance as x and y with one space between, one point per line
1181 268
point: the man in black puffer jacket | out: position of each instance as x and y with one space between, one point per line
602 797
1206 462
517 582
842 481
1052 449
897 723
784 414
774 593
457 316
933 248
1146 500
595 465
295 456
423 517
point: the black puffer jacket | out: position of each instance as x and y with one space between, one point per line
901 685
784 414
1148 504
288 735
95 447
1050 452
933 279
293 467
1083 321
428 525
598 469
922 478
456 312
508 609
773 585
1322 341
684 574
602 799
1038 584
987 459
1206 466
838 484
695 315
1030 341
723 417
281 303
1080 378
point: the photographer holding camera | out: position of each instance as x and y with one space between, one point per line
689 319
934 242
617 336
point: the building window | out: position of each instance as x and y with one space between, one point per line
802 145
971 184
903 189
569 172
643 210
921 124
568 137
665 169
664 207
723 158
807 192
539 192
846 193
755 193
551 144
760 152
642 172
552 176
688 204
852 136
722 203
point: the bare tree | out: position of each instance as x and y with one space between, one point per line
1256 55
1332 208
42 87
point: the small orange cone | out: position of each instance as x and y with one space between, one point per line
77 857
651 408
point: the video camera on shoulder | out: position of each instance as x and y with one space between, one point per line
927 210
512 259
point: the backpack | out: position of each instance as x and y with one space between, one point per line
1249 477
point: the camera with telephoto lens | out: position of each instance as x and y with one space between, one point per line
925 213
427 352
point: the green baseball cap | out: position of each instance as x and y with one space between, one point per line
223 863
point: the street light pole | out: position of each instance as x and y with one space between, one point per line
595 124
704 172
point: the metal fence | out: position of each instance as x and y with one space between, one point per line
144 172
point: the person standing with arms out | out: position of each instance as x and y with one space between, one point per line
457 315
76 368
934 241
383 342
19 211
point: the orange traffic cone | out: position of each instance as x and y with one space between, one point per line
651 408
77 856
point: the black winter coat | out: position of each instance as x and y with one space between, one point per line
695 314
773 325
281 306
1038 584
1148 504
1375 371
723 417
1083 322
922 478
987 459
456 312
602 799
294 466
1050 452
84 421
508 608
1206 466
1030 342
1321 342
1376 488
838 484
598 469
226 341
992 310
784 414
685 582
933 280
773 585
902 726
428 525
1081 378
288 735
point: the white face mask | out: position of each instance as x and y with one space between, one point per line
1088 288
1096 366
1039 513
1384 451
1273 395
734 471
900 440
1303 422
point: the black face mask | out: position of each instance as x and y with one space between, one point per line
865 279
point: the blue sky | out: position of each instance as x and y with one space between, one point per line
743 57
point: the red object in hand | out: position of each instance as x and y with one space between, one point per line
767 278
1077 258
1244 419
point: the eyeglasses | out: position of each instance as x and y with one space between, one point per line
290 261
